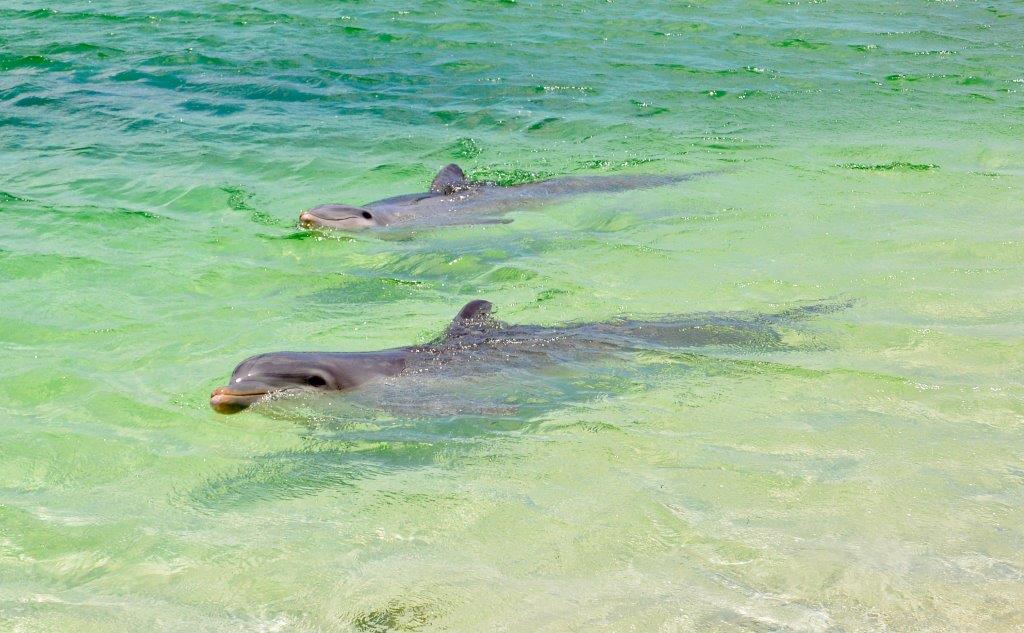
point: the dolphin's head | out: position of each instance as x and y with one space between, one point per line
265 374
340 216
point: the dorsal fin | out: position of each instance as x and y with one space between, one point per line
475 310
449 180
472 318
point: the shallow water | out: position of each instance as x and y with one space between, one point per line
867 475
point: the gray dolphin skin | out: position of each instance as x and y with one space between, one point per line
475 343
452 199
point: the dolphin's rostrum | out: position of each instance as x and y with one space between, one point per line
476 343
453 199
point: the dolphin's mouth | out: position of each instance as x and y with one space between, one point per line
228 400
308 220
338 216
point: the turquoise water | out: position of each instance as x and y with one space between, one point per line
865 475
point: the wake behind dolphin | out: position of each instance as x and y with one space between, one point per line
453 199
476 343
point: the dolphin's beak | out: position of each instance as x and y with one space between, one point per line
228 400
337 216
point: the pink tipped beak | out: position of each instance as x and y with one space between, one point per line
227 400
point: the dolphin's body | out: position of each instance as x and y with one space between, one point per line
452 199
476 343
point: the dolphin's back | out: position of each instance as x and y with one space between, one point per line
490 338
468 203
576 185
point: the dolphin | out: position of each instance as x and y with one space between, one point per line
475 342
453 199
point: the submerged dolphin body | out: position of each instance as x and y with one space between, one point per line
476 343
452 199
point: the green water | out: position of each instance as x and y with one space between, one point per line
866 476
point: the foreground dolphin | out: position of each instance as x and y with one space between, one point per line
453 199
476 343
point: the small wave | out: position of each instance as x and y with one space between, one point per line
891 166
14 62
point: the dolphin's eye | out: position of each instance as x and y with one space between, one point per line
367 215
316 381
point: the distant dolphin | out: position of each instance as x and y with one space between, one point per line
453 199
477 343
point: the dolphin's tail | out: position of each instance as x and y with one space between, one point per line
810 310
596 184
751 331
